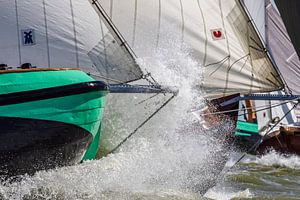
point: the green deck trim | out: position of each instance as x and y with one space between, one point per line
26 81
242 134
247 126
84 110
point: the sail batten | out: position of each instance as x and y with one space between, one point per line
64 33
217 33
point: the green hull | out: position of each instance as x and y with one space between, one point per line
82 110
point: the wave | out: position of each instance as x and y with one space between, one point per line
276 159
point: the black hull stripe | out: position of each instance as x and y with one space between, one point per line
247 132
53 92
29 145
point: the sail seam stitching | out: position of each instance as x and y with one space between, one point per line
228 49
75 33
46 30
183 24
18 32
159 23
134 23
111 8
205 30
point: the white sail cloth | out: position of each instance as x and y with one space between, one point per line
62 33
269 23
256 9
218 33
282 49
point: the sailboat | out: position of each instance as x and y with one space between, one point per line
275 126
59 59
239 70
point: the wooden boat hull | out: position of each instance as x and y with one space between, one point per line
48 119
215 106
246 135
286 140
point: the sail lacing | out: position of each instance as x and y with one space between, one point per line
265 107
46 32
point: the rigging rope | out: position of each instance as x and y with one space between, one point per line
141 125
145 77
244 109
148 98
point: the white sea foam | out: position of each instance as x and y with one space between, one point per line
225 194
275 159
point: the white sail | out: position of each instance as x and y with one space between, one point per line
217 32
289 11
256 9
282 49
63 33
268 20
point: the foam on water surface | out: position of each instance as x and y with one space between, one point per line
275 159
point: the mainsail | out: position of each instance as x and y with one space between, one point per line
289 11
218 33
63 33
270 25
277 40
282 49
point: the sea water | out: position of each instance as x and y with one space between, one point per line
272 176
171 157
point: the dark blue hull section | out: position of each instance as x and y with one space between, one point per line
30 145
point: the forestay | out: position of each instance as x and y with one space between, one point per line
217 32
63 33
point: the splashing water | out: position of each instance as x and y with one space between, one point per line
171 157
271 176
275 159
